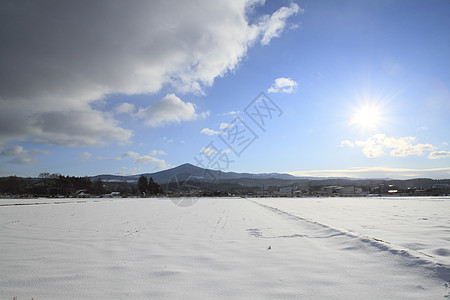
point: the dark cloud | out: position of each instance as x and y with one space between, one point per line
56 57
21 156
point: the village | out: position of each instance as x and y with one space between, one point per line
58 186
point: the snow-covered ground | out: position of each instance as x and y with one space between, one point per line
304 248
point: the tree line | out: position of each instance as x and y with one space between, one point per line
148 187
51 185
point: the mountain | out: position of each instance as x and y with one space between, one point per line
191 176
191 172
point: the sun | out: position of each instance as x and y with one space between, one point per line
367 117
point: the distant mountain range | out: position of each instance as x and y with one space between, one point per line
201 177
192 172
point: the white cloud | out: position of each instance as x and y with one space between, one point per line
125 109
401 147
24 160
274 25
157 152
373 146
347 143
230 113
148 159
169 109
48 87
208 131
21 156
131 154
84 156
377 172
208 151
224 125
168 140
283 85
439 154
126 171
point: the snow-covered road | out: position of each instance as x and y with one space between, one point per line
325 248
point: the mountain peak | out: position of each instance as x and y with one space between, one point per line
187 165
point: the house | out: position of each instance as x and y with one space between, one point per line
82 194
286 191
331 190
112 195
351 190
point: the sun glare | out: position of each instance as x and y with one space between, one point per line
366 117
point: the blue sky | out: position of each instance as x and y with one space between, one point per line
361 88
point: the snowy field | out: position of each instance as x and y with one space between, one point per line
218 248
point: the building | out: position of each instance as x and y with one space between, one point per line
351 190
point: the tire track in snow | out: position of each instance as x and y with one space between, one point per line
415 258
